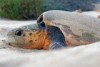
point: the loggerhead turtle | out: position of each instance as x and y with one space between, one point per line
56 29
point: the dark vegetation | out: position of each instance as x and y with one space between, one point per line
31 9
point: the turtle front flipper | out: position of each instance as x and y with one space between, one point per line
56 36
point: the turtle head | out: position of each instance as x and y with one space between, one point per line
24 36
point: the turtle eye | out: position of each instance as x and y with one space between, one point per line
19 32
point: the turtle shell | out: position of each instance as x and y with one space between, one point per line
77 28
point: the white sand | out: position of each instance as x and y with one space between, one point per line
82 56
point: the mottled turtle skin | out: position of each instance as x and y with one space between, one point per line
56 29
